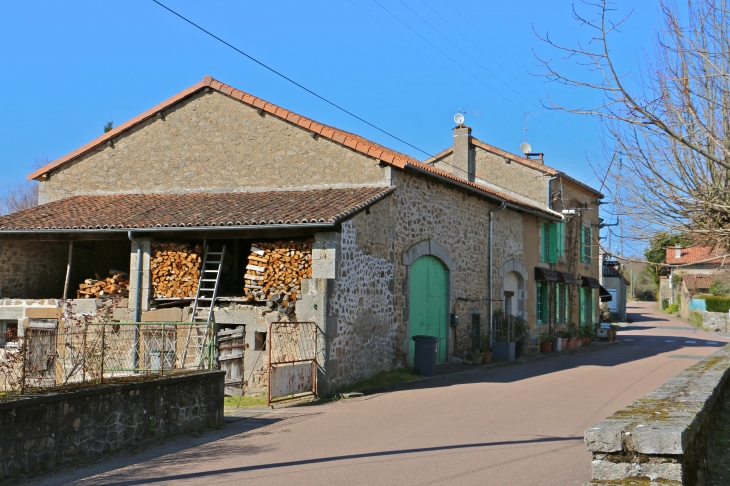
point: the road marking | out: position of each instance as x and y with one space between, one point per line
649 340
712 342
628 339
691 342
685 356
669 340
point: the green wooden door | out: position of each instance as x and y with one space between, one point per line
429 296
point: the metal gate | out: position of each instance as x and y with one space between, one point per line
292 360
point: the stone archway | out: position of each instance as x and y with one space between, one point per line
433 249
514 294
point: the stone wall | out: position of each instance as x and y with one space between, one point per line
665 434
715 321
213 142
49 430
33 269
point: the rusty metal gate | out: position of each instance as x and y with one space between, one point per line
292 360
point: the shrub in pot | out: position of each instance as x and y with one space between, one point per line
546 343
487 354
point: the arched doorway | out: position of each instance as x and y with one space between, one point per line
428 303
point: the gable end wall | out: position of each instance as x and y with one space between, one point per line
212 142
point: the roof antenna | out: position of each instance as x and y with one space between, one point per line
459 117
525 147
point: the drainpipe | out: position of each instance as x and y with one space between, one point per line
137 301
490 272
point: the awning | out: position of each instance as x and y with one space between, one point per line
603 295
566 277
546 274
589 282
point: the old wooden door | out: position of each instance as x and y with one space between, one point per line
428 303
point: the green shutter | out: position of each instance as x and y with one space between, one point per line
561 239
589 257
582 307
543 242
553 243
582 243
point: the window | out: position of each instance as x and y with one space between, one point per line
553 242
558 307
9 332
566 304
542 303
586 244
586 306
260 341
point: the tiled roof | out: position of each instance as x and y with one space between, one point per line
355 142
613 271
697 282
521 160
695 254
203 210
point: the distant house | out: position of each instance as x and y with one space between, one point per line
616 285
697 267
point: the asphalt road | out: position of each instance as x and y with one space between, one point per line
520 425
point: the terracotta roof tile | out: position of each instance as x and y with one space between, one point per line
356 142
698 282
204 210
695 254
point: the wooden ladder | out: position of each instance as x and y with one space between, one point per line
210 274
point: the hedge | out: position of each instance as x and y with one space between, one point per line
717 303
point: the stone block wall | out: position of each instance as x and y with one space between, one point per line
32 269
664 435
212 142
715 321
48 430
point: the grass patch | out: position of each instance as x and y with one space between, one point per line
245 401
401 375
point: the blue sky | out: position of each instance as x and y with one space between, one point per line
68 67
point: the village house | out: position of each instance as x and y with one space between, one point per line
303 222
559 283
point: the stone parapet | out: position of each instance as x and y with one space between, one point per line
43 431
665 434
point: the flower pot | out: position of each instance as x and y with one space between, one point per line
578 342
572 342
546 347
476 358
586 341
564 343
487 358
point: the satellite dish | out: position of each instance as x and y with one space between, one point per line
459 118
525 148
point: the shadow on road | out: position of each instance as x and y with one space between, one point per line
203 474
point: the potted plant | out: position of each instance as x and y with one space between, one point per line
521 333
546 343
571 335
487 354
476 358
587 334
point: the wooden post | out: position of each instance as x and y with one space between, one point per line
162 352
68 270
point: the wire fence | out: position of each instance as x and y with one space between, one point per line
47 359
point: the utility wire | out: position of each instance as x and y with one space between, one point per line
289 79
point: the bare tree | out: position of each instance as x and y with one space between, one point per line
18 196
671 121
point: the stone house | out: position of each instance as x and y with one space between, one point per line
616 285
399 247
559 283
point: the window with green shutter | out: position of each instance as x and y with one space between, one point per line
581 307
561 239
552 243
541 303
586 244
582 243
566 303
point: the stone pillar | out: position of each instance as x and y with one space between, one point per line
463 161
146 251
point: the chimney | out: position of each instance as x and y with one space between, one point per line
463 160
677 251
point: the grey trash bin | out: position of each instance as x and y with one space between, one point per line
426 352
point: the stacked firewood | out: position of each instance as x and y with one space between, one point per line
175 269
275 271
117 284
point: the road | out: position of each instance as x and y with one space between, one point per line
517 425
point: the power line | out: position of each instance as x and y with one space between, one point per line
570 140
289 79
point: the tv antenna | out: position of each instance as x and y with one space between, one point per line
459 117
528 115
